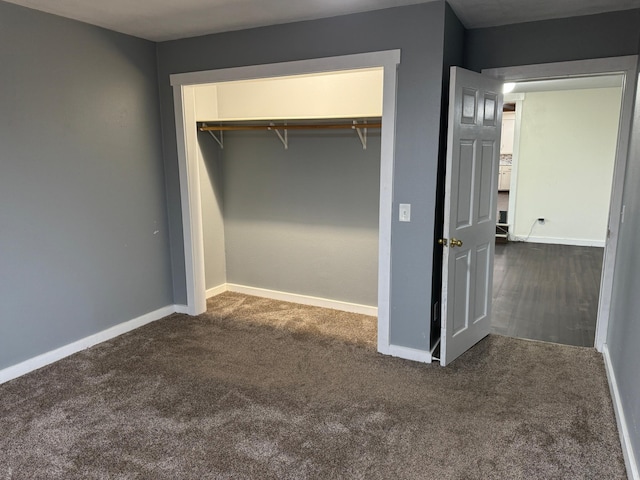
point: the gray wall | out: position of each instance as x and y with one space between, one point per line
576 38
83 231
303 220
210 166
579 38
453 52
418 31
624 327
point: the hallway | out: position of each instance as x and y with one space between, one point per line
546 292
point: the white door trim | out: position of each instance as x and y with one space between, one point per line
518 99
628 66
186 137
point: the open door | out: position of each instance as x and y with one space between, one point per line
473 149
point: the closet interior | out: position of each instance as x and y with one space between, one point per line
289 171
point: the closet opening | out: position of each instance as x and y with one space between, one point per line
286 175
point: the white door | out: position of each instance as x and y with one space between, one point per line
473 147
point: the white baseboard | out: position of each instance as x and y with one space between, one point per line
578 242
47 358
625 439
181 309
303 299
212 292
406 353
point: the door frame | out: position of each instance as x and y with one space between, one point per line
184 84
628 67
516 98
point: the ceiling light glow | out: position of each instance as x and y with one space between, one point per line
508 87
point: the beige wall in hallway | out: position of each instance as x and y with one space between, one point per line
565 165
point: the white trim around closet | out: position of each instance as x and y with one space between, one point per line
186 136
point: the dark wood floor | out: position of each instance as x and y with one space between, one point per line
546 292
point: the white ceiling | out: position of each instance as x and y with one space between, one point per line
160 20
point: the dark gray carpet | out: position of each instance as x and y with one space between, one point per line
261 389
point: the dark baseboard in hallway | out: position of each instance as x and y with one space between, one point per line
547 292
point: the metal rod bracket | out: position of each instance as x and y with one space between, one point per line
219 140
362 133
283 138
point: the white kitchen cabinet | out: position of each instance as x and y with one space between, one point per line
508 131
504 179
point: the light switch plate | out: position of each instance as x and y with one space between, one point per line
405 212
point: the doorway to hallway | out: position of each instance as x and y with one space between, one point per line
556 175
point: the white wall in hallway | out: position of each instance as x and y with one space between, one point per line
565 165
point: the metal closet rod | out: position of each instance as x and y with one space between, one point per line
319 126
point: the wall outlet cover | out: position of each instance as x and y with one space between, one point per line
405 212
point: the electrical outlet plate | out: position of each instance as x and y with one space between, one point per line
405 212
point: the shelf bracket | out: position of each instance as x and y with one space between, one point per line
219 140
361 130
284 139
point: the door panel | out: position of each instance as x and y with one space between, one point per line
482 295
485 184
461 282
465 179
475 114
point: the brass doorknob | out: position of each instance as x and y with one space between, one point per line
454 242
442 241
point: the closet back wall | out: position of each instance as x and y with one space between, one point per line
211 188
302 220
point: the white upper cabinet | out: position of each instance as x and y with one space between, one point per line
508 131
